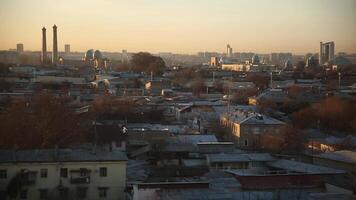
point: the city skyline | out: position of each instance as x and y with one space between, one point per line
188 27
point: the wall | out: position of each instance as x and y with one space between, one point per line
115 180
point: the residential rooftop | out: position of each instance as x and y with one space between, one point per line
61 155
342 156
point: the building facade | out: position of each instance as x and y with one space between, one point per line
62 174
327 52
247 128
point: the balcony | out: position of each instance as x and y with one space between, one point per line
80 176
80 180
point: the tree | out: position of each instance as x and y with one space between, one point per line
331 114
43 122
261 82
198 86
183 76
294 140
242 95
147 63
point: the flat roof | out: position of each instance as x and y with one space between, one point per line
301 167
239 157
61 155
342 156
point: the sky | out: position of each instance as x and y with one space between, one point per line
181 26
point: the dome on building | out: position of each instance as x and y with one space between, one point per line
340 60
288 65
89 55
255 59
98 55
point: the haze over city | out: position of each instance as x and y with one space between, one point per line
181 26
178 99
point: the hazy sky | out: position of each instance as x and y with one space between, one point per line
182 26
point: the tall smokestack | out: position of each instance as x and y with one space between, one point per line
55 46
44 46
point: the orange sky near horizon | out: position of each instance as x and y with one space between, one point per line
181 26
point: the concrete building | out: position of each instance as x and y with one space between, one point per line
63 174
55 46
44 47
248 127
19 48
67 48
235 67
228 51
156 86
214 62
280 173
327 52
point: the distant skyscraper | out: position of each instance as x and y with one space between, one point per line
228 51
125 57
19 48
44 47
55 46
67 48
327 52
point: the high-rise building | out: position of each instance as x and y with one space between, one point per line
228 51
19 48
67 48
124 55
327 52
55 46
44 47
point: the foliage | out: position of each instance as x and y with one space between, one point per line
331 114
198 86
242 95
261 82
43 122
147 63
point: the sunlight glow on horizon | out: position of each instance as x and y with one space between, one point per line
181 26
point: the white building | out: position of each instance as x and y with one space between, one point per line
62 174
327 52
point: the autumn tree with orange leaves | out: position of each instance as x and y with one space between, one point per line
333 114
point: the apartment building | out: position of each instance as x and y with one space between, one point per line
62 174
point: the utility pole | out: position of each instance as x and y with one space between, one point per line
271 79
339 80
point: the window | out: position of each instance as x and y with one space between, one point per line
102 192
64 172
63 193
82 192
44 173
3 174
246 142
43 193
103 172
83 172
23 194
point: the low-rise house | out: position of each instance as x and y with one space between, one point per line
248 127
156 86
345 160
238 160
63 174
278 174
216 147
